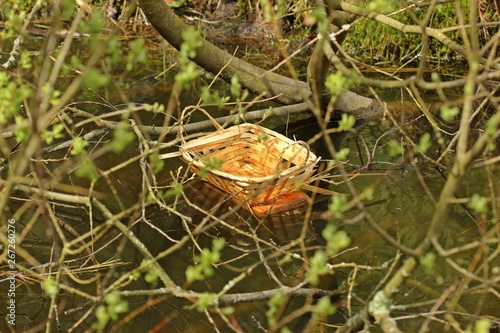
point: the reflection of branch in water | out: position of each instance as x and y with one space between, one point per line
202 198
400 184
465 208
5 162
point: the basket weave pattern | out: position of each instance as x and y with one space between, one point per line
258 164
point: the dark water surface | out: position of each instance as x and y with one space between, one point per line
401 207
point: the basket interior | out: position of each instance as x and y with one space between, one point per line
251 154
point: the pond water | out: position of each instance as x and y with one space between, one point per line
400 205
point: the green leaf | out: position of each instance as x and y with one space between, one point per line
228 310
424 145
79 145
336 240
47 89
338 206
395 148
93 79
323 308
137 54
50 135
151 276
114 53
49 287
490 130
102 317
274 304
175 190
156 163
267 113
483 325
25 61
382 6
478 203
205 301
347 122
209 164
112 298
189 72
342 154
204 269
94 25
336 82
191 42
218 244
193 274
86 169
428 262
115 305
235 86
449 113
318 267
369 193
22 130
122 136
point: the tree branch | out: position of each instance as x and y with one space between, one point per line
212 58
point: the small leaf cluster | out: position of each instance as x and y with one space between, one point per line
122 137
204 268
12 94
175 190
336 239
323 308
274 303
86 169
114 306
212 97
156 163
347 122
188 70
395 148
338 206
49 287
336 82
210 164
205 301
319 267
50 135
151 276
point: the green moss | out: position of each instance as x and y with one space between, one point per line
375 43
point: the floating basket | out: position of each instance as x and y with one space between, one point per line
255 165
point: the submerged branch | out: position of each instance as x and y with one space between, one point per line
283 111
229 299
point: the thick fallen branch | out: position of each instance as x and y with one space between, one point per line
256 79
213 59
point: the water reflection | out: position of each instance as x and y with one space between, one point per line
239 227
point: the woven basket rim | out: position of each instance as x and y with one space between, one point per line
307 164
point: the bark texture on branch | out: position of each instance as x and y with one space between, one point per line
213 59
256 79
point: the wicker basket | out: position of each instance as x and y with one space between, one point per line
258 164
